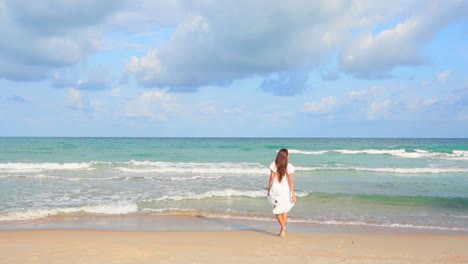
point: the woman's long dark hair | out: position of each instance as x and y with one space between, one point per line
281 163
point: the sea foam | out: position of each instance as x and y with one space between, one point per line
192 167
38 213
416 154
222 193
390 170
295 151
45 166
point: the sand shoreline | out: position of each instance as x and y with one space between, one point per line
199 222
248 246
202 239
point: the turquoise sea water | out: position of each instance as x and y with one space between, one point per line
396 183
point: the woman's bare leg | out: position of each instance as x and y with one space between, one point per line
284 220
281 220
282 224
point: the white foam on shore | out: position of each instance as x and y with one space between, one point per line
371 151
195 178
416 154
38 213
390 170
384 225
222 193
168 211
50 177
413 170
337 222
45 166
295 151
193 168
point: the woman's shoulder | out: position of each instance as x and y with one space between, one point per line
273 166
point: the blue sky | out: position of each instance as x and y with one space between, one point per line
234 68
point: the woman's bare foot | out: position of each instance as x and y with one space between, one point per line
283 232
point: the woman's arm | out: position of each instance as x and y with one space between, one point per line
291 186
272 178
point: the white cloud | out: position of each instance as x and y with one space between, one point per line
209 108
379 108
322 107
39 36
154 105
145 68
98 78
216 42
145 15
76 99
211 45
375 56
358 93
120 44
216 109
373 103
443 76
373 92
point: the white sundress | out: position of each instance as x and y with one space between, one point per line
280 193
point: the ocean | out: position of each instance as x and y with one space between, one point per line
405 184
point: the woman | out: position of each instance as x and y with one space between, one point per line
281 188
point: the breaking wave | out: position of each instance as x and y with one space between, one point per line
417 153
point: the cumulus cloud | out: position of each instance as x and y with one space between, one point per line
77 100
144 16
52 17
152 105
99 79
330 76
216 42
379 103
40 36
452 106
373 103
286 83
375 56
212 45
379 108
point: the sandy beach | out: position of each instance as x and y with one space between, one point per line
248 246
